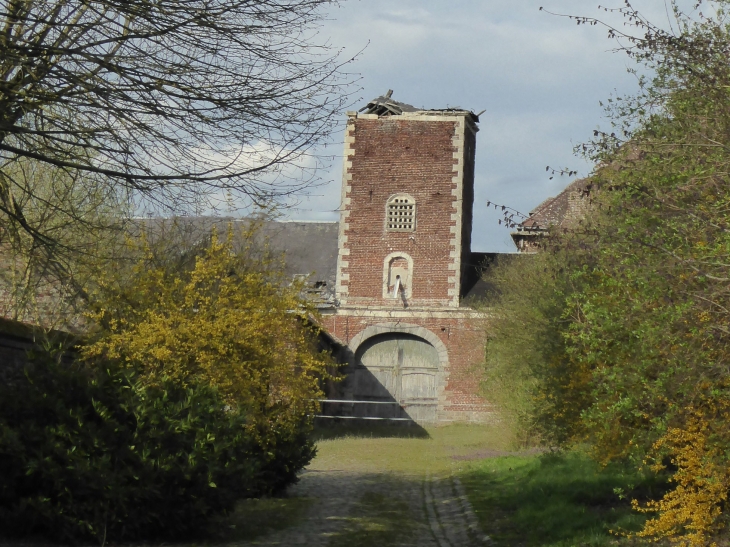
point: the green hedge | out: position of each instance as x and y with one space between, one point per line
90 453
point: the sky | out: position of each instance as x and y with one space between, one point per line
539 79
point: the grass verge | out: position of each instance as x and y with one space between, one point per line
406 450
554 500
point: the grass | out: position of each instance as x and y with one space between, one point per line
520 499
555 500
380 449
377 520
336 430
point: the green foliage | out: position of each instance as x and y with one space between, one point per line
556 500
92 452
223 317
71 227
257 517
648 313
539 388
653 317
193 392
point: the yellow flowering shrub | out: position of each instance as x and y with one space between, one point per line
689 514
224 319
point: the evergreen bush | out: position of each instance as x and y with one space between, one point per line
90 452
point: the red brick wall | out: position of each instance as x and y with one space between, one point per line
464 338
395 155
467 202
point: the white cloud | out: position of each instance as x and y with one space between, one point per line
539 77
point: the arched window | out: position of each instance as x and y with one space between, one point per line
400 213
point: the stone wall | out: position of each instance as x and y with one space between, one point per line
17 339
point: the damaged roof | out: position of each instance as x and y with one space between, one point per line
385 105
568 206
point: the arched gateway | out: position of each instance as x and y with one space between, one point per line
404 364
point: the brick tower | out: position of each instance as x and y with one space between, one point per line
405 263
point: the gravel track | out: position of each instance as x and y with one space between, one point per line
423 511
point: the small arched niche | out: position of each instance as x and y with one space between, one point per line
397 276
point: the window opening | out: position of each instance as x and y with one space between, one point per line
401 214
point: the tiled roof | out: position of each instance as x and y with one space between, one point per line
562 210
307 249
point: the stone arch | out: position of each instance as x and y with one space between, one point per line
415 330
403 363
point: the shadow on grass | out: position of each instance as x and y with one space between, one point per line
339 511
376 520
557 500
255 518
337 429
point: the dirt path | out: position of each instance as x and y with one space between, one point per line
380 491
351 509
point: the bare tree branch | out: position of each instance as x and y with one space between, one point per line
168 98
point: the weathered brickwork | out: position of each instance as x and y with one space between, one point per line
462 333
423 157
398 276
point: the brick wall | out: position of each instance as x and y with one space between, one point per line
426 157
463 334
17 339
431 159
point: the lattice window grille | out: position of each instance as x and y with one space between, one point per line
401 215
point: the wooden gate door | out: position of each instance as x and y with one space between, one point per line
399 367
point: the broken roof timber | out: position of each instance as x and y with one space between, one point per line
386 106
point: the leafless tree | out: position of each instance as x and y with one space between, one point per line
166 100
109 106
